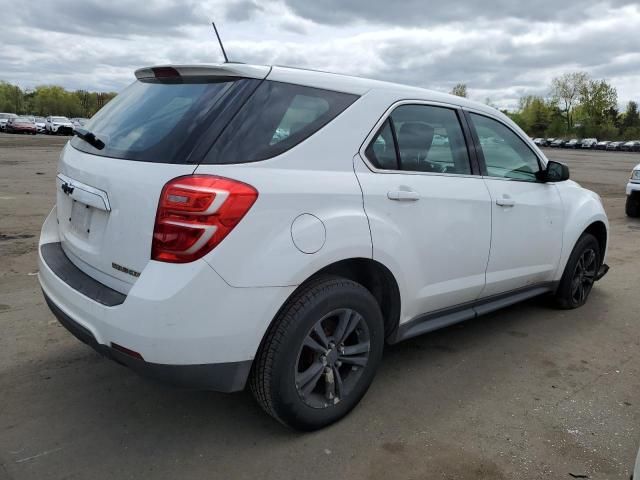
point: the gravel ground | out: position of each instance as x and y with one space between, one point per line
526 393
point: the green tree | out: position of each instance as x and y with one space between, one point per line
631 117
597 100
460 90
51 100
565 90
11 98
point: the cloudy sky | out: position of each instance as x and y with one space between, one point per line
502 49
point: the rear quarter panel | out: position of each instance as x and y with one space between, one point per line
314 177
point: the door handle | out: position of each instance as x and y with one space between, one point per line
403 195
505 202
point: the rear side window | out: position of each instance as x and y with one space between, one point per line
163 121
427 139
276 117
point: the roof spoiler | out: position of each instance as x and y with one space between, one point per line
223 70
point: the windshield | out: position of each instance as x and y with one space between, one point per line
59 119
161 121
22 120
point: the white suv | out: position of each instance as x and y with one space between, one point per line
223 225
58 125
632 207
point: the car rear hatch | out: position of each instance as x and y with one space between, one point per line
108 186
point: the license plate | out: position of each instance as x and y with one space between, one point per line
81 218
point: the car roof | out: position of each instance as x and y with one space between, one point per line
320 79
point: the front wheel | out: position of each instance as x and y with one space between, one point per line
632 207
580 273
320 355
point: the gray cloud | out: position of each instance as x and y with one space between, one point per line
501 49
421 13
242 10
115 18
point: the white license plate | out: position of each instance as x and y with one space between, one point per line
81 218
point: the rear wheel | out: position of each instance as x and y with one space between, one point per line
632 207
320 355
580 273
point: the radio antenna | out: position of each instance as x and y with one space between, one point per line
226 60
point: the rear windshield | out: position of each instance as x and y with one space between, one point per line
227 120
161 121
277 117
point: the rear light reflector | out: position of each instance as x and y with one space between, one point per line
165 72
126 351
195 213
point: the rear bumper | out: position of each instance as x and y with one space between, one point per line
220 377
188 325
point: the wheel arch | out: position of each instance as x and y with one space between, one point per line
599 230
369 273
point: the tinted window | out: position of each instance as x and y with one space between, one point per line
382 151
429 139
505 154
277 117
162 121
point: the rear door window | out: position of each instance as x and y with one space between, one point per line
427 139
277 117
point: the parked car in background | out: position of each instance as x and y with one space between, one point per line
602 145
558 143
631 146
79 122
541 142
589 142
615 146
573 143
633 193
4 118
159 251
58 125
21 125
40 123
550 141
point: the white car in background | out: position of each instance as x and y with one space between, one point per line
58 125
40 123
232 225
4 118
632 207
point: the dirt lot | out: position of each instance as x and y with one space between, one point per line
529 392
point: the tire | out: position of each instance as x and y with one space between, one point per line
279 378
580 273
632 207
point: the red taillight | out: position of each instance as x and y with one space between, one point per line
195 213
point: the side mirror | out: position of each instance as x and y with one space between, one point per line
555 172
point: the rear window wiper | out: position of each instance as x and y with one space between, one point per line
89 137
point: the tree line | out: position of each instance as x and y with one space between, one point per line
577 106
51 100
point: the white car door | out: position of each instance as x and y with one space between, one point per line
526 240
429 214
